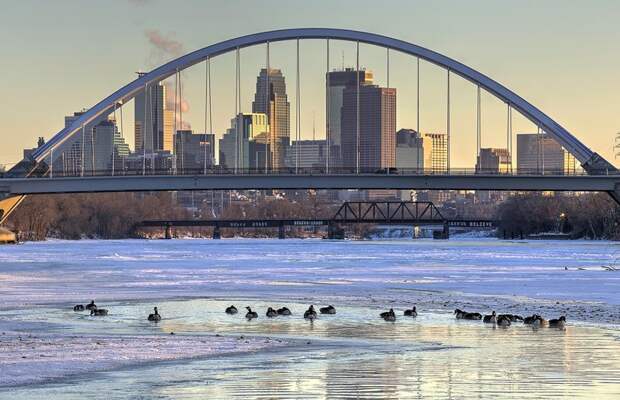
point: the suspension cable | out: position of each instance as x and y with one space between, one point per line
236 168
122 136
268 149
448 122
114 138
297 112
418 161
206 112
82 151
327 111
387 66
357 94
144 130
478 123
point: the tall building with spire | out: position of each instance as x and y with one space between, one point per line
153 122
271 99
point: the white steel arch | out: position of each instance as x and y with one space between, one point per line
589 160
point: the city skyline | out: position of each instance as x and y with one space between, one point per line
587 116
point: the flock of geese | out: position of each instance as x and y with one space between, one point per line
503 320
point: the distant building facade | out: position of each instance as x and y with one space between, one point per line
409 150
307 154
337 81
154 124
435 152
271 99
193 150
247 150
493 160
537 153
377 127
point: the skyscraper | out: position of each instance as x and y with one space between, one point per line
153 122
538 153
493 161
193 150
377 127
409 149
337 81
272 86
240 152
435 152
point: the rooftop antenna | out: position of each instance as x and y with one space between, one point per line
342 54
617 146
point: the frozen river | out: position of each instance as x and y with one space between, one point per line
353 354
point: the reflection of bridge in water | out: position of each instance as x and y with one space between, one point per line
359 212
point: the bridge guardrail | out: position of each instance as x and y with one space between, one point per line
307 171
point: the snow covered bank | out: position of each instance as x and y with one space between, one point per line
27 359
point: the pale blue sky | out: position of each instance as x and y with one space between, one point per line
60 56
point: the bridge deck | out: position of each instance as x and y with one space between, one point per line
26 186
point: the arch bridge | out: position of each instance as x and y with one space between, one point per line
35 173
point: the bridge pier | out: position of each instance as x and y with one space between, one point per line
444 233
334 232
216 232
168 232
281 232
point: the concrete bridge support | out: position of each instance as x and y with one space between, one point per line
216 232
281 232
168 232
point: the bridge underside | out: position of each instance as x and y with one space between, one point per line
28 186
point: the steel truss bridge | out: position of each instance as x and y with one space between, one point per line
361 212
35 174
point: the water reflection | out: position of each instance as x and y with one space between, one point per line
352 355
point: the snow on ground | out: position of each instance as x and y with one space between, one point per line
28 359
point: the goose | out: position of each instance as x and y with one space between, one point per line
530 320
558 323
511 317
503 321
411 313
328 310
284 311
231 310
271 313
91 305
99 312
310 313
78 307
467 315
388 315
539 322
155 317
490 319
251 314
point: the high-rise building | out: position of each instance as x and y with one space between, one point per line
241 151
538 153
435 152
377 127
193 150
153 122
409 149
306 154
271 99
337 81
94 149
493 161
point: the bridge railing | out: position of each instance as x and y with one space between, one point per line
304 171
